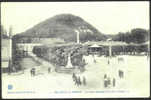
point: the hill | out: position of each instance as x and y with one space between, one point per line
63 26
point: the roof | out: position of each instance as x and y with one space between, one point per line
109 39
107 43
95 45
147 42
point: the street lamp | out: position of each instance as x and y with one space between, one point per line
10 55
110 69
110 47
78 38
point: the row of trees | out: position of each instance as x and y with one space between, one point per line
59 55
137 35
117 50
4 33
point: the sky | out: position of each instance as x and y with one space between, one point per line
107 17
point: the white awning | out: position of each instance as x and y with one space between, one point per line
109 39
147 42
95 45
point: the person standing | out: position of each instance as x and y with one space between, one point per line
31 72
114 82
108 81
105 82
119 73
79 80
73 76
76 81
122 74
34 71
49 70
94 60
105 76
108 62
84 80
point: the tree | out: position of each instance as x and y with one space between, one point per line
3 32
10 31
139 35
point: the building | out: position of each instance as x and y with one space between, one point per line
94 49
5 54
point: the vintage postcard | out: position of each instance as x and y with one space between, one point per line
75 49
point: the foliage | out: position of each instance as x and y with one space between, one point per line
137 35
3 32
59 55
130 48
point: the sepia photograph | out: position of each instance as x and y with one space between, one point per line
75 49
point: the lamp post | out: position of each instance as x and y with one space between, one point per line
78 38
148 47
10 53
110 69
110 47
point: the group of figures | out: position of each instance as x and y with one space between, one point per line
49 70
78 81
33 71
112 82
121 73
107 81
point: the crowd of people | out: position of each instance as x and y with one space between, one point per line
112 82
78 81
81 80
108 82
33 71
